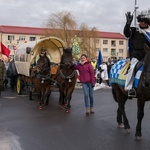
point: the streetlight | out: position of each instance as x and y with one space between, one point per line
135 8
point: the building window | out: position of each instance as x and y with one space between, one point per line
32 38
105 41
105 50
120 42
11 38
120 50
11 47
113 43
22 38
113 52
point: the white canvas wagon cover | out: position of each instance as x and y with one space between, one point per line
23 60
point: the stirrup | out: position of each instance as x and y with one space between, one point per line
132 93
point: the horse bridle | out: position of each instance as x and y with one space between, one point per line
67 60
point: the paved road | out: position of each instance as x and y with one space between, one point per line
24 127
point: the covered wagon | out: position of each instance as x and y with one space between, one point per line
28 53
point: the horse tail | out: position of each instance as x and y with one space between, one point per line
114 94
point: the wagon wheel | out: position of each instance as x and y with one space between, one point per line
19 86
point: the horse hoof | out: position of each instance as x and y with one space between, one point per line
63 107
67 111
138 137
46 104
41 107
128 130
121 125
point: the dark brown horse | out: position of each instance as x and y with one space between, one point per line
66 78
42 79
143 95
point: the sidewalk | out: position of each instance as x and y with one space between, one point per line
78 85
101 86
97 86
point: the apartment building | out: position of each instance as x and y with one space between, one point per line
112 45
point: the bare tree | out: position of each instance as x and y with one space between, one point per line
88 40
63 25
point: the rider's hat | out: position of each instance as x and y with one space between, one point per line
144 17
43 49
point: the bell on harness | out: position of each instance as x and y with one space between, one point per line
42 80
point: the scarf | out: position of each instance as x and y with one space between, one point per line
82 62
146 32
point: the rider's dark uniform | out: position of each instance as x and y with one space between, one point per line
136 42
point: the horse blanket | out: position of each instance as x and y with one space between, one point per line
119 70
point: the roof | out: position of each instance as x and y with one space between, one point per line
111 35
22 30
43 31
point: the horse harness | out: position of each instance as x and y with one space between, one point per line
68 77
43 77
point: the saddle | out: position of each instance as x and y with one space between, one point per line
126 67
120 69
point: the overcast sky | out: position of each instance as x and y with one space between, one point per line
105 15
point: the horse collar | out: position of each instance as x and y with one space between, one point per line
67 77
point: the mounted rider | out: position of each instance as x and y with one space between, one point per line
138 36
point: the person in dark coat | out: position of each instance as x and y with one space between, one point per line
138 37
2 74
13 74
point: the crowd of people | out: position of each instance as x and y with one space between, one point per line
8 74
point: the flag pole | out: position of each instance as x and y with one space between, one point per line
135 12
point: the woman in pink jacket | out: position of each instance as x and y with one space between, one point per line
87 79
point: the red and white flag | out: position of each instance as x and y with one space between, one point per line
5 50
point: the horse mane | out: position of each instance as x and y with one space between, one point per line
67 51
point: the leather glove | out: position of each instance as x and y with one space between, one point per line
93 85
129 17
